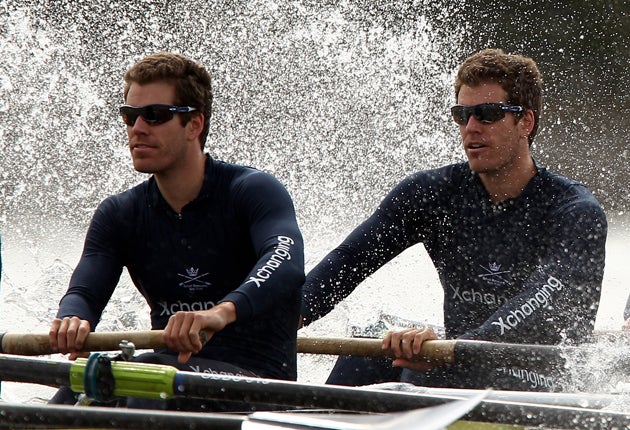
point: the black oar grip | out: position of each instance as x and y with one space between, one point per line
492 355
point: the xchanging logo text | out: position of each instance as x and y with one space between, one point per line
169 309
474 296
540 299
280 254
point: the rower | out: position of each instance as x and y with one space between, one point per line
213 247
519 250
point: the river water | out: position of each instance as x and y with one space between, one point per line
339 100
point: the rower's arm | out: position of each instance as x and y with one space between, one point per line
399 222
267 208
98 271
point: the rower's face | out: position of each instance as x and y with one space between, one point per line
157 148
495 146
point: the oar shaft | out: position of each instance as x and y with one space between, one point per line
17 416
492 355
37 371
293 394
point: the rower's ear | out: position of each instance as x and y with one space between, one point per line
527 123
195 125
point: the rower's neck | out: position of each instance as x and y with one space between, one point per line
508 183
180 187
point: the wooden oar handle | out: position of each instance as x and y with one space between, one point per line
38 344
438 351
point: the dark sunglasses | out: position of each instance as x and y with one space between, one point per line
152 114
484 112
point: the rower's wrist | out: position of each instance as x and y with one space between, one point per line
227 311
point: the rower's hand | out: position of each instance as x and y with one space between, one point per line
68 335
626 325
404 345
182 333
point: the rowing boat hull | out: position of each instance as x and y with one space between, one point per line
19 416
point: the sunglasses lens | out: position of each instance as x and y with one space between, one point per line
157 114
151 114
460 114
486 113
129 115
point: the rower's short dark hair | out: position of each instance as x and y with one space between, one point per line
191 80
516 74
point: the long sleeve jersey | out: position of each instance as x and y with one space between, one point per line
527 270
238 241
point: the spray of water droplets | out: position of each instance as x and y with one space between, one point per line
338 99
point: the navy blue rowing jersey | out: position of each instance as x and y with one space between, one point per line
238 241
527 270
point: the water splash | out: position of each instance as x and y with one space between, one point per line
332 99
340 100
